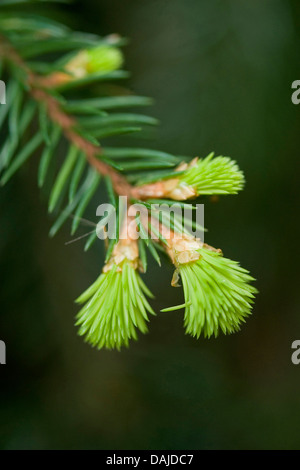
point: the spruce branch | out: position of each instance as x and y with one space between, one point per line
219 175
218 292
39 89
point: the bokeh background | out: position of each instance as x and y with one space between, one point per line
220 72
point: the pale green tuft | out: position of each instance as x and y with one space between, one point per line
218 294
104 59
115 308
214 175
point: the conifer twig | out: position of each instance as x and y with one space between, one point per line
38 88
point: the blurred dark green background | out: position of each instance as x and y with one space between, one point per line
220 72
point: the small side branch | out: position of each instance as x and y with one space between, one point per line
38 90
